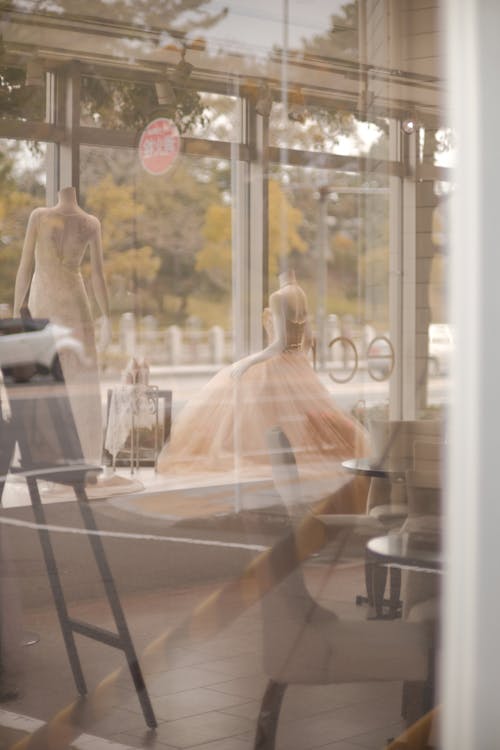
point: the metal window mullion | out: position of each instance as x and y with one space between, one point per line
409 383
68 114
52 156
396 275
258 264
240 222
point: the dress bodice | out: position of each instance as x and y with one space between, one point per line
294 333
62 239
294 307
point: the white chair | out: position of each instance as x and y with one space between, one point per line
304 643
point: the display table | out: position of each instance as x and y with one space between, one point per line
369 467
419 551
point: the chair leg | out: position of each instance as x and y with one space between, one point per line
376 581
395 592
267 721
379 573
369 565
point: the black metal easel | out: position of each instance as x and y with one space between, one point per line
42 426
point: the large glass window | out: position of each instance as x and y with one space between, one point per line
226 353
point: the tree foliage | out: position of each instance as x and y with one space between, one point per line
119 103
215 259
16 205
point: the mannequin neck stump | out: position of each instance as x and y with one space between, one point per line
287 277
67 198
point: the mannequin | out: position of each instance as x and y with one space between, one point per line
287 306
225 426
50 283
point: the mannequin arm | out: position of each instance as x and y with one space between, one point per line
25 270
277 346
99 285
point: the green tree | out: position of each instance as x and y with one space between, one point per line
15 207
164 212
130 267
214 260
174 206
115 206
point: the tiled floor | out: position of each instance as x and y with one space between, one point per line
205 689
205 693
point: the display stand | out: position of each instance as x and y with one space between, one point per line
42 426
130 409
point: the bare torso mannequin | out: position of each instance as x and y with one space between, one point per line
50 283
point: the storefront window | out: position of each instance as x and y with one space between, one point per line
227 353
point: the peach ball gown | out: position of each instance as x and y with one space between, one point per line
224 427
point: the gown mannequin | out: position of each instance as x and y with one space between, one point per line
50 282
225 427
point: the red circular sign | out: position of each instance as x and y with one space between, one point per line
159 145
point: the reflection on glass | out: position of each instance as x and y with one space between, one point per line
130 105
312 133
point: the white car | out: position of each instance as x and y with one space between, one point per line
440 348
36 348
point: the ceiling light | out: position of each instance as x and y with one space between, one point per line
409 126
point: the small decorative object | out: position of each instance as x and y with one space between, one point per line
129 375
142 377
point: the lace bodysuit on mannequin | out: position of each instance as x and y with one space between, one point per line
58 292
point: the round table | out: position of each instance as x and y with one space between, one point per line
418 550
369 467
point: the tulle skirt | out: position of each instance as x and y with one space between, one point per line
224 427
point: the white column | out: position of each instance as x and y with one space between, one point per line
396 273
240 240
249 231
258 250
471 663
